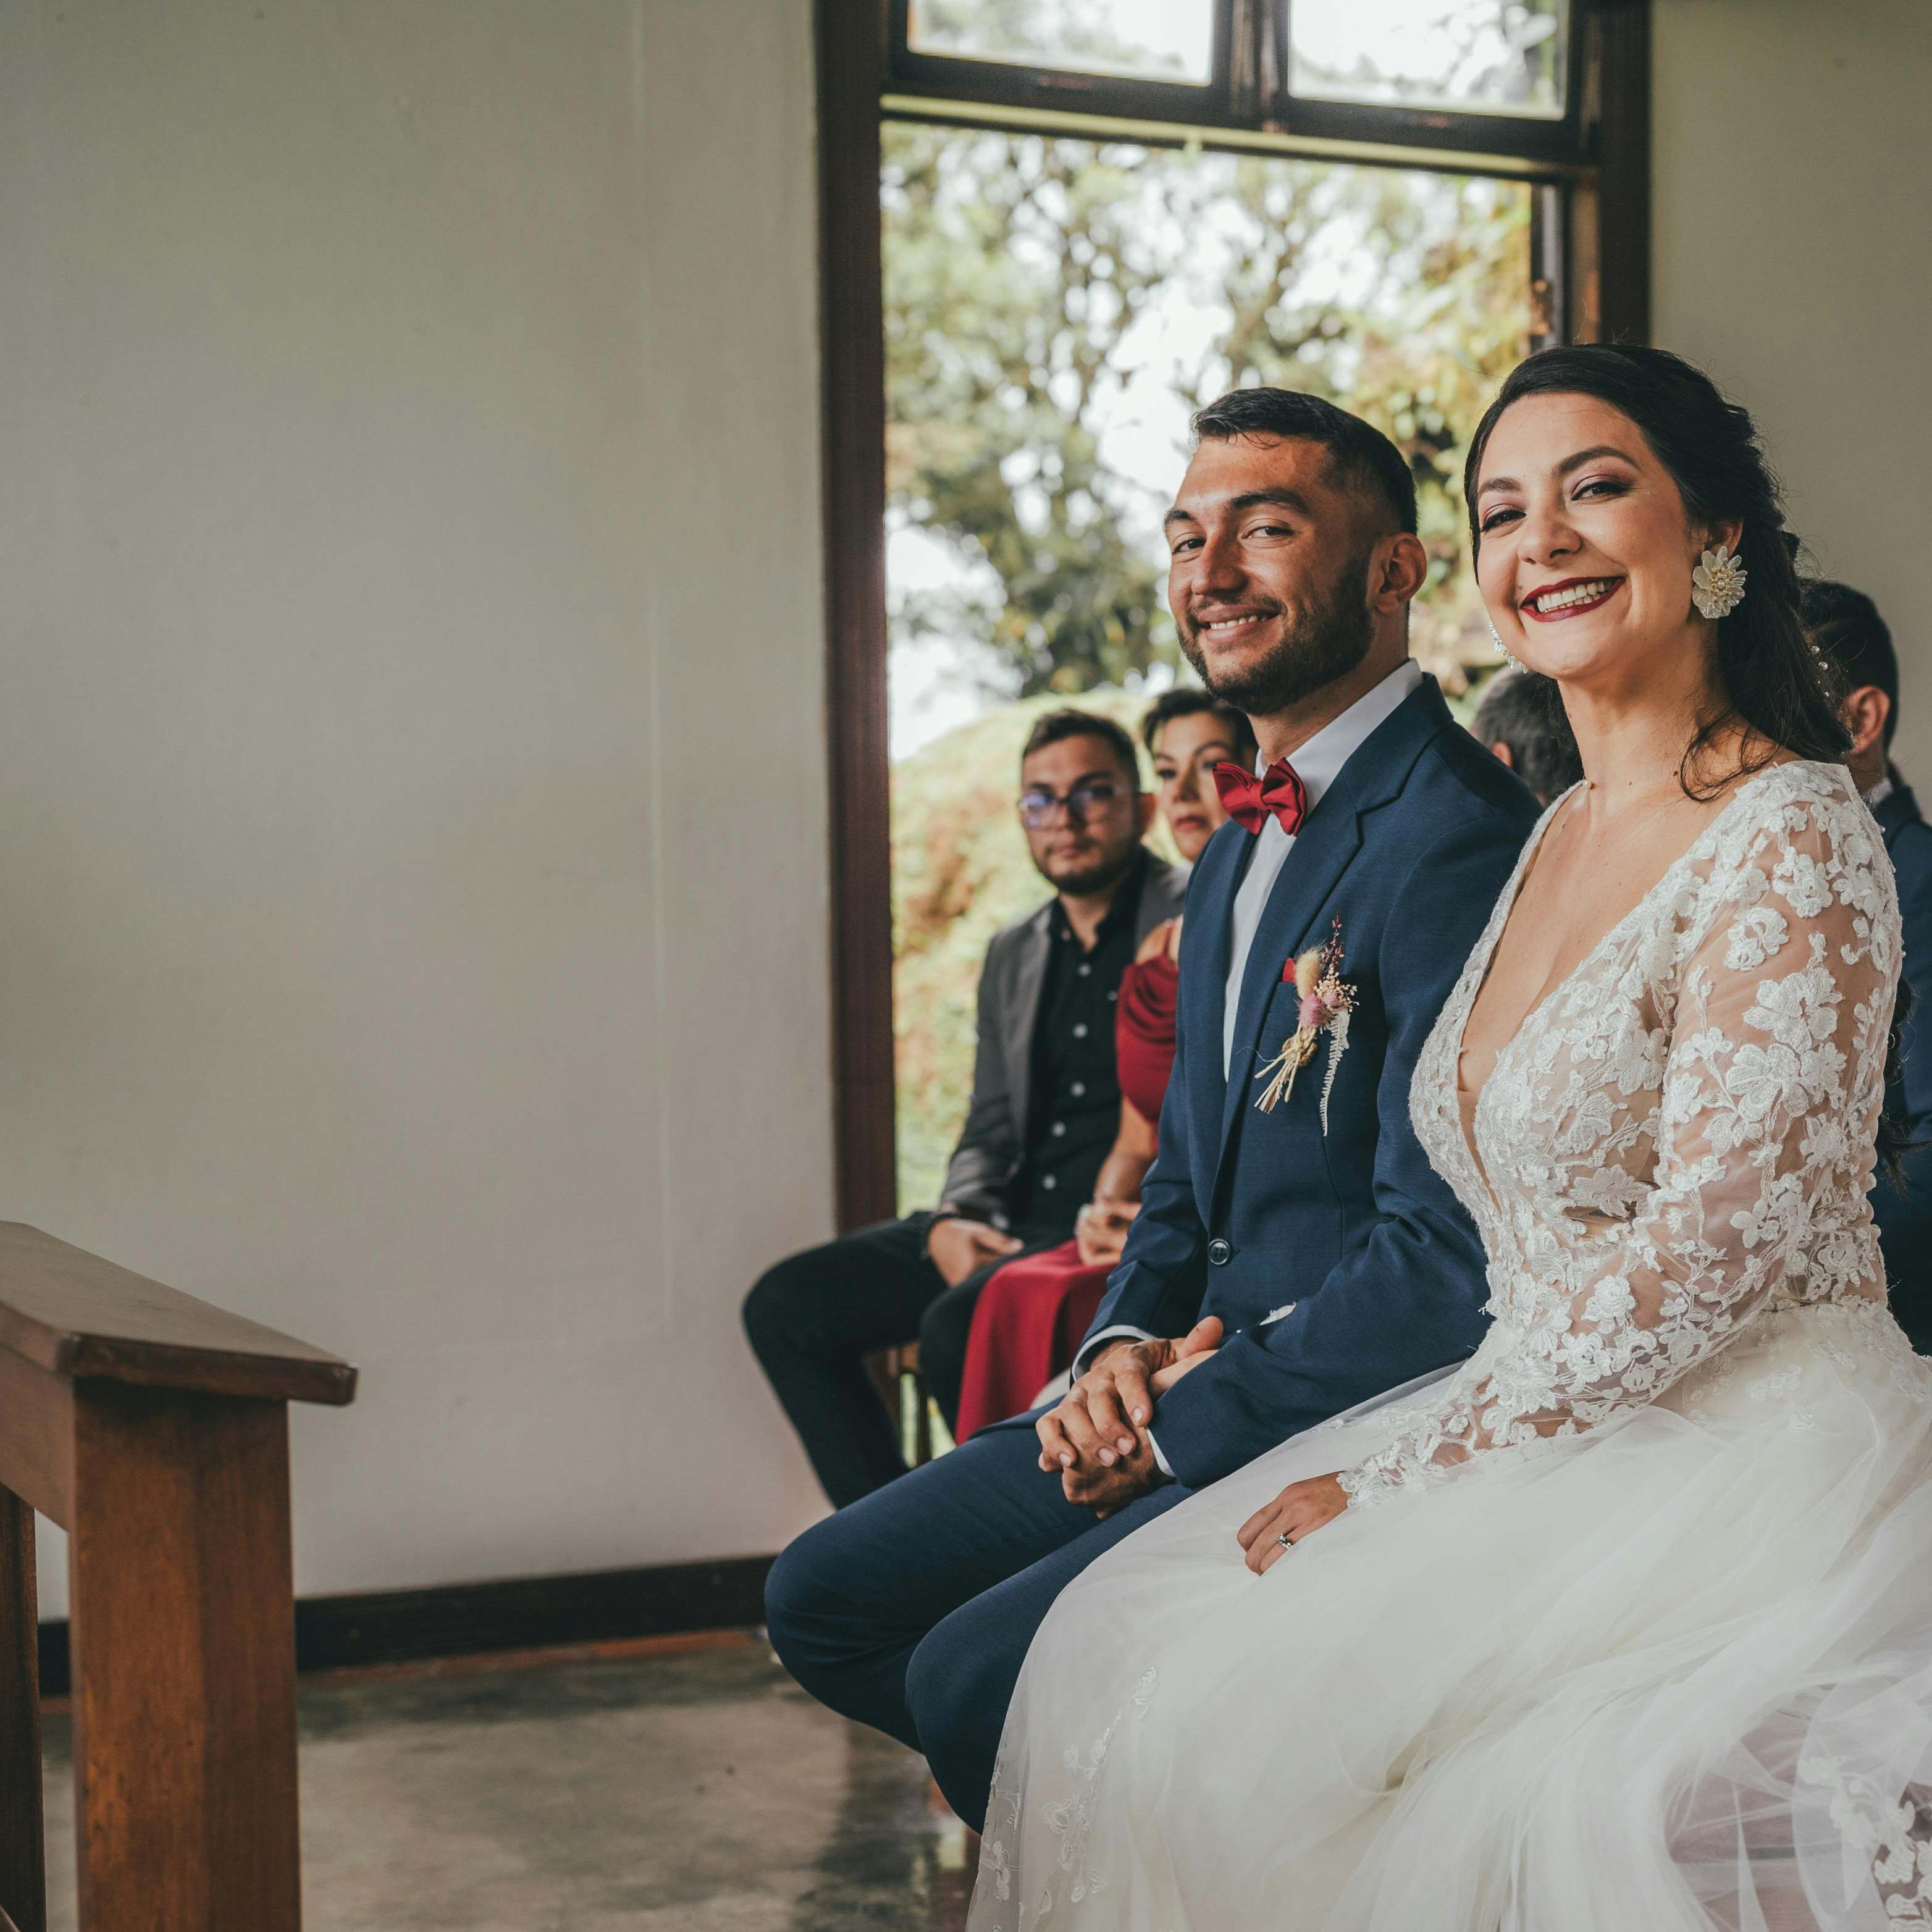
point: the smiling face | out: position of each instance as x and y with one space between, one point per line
1270 568
1585 549
1185 754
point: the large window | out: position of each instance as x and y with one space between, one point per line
1087 217
1459 56
1055 310
1499 77
1171 41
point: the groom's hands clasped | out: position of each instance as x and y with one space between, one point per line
1097 1436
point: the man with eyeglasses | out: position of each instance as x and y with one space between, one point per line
1044 1109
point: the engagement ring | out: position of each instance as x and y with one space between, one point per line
1283 1540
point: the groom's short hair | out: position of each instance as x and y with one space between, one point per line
1363 458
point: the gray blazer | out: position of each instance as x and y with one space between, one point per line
980 1174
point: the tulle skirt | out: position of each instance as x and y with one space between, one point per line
1669 1676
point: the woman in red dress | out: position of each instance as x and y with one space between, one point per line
1032 1313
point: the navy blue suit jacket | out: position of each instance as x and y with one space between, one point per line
1244 1211
1905 1216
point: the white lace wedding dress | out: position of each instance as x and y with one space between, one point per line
1628 1625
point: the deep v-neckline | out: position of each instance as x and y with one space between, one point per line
1465 1127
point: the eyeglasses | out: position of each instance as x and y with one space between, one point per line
1083 802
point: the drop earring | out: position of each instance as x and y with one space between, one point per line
1717 584
1510 661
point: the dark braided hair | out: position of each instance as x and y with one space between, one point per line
1769 679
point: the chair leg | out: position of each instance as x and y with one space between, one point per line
922 1426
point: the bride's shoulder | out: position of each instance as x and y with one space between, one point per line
1798 831
1798 800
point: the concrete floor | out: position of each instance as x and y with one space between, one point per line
695 1793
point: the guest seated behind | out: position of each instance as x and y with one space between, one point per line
1032 1313
1522 719
1041 1119
1845 627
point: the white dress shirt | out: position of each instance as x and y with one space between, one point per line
1317 763
1878 794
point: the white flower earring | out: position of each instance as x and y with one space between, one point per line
1510 662
1717 584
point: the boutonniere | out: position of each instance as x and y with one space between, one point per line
1325 1000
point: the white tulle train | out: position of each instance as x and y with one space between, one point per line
1672 1674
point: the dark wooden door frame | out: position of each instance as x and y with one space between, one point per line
1607 279
851 53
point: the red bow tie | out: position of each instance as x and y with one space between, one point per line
1249 799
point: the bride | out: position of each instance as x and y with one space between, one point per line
1625 1623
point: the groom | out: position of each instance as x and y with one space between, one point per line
1311 1233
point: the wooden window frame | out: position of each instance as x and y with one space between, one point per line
1249 92
1590 262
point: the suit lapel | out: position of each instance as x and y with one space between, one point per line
1203 980
1162 893
1029 976
1324 849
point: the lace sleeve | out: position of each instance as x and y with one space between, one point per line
1771 1086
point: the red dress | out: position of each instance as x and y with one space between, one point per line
1032 1313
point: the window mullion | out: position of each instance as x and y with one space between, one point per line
1551 322
1255 70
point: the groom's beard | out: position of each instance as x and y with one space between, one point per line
1323 640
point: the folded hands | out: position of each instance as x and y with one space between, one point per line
1097 1438
1097 1435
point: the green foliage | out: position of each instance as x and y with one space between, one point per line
1052 31
1017 267
1013 269
961 871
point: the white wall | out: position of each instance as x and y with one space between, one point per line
1793 174
413 813
412 810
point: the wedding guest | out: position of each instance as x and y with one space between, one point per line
1045 1100
1032 1313
1521 719
1846 627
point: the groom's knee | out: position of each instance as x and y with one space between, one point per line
802 1603
829 1615
958 1684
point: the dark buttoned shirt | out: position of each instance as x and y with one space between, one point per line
1075 1111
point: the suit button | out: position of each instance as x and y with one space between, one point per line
1219 1252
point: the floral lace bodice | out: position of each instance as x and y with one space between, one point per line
1679 1137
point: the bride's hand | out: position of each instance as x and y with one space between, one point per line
1299 1510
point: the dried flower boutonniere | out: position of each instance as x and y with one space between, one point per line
1325 1001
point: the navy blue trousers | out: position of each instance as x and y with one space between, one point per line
912 1609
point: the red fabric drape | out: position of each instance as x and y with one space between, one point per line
1032 1313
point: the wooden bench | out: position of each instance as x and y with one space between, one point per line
154 1428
